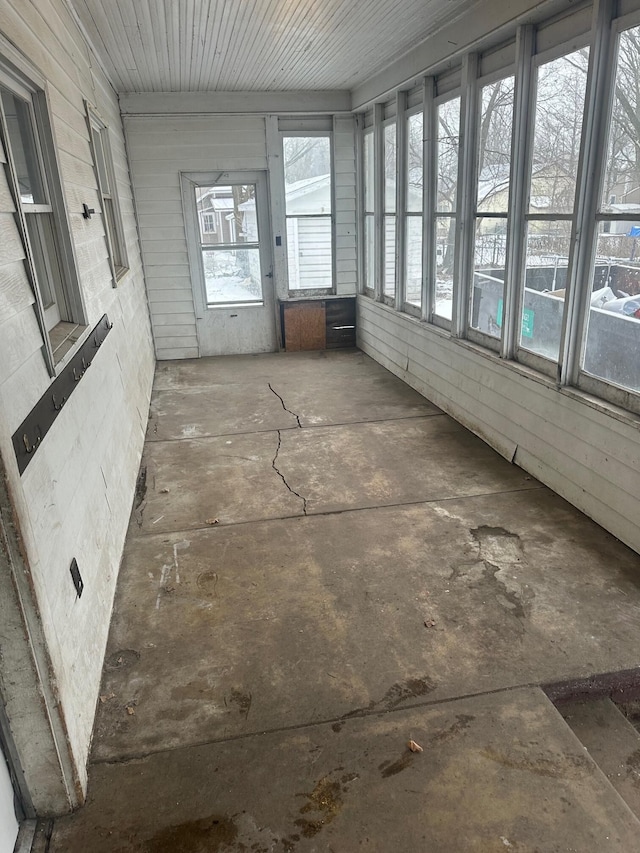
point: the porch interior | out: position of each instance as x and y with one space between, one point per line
322 566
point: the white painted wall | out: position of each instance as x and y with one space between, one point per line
75 497
8 822
160 147
585 450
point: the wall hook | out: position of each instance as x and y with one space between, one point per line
55 402
87 211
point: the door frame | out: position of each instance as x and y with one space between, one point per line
259 177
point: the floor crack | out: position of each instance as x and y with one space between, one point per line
296 416
281 475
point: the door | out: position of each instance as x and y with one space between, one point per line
230 260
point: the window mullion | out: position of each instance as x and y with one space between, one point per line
589 179
518 182
465 202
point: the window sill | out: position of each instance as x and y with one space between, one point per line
63 338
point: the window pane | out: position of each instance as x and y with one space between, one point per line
389 255
369 252
558 126
368 172
100 160
414 163
227 214
621 189
307 174
445 254
494 146
390 168
612 350
24 149
448 145
487 300
413 264
232 275
309 252
545 275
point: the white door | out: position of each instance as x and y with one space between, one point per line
230 260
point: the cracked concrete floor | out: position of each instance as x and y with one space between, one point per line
322 566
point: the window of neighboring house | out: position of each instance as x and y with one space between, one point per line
32 174
413 214
111 216
308 186
613 330
390 168
445 218
208 223
560 87
495 122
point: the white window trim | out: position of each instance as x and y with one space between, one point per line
19 77
96 124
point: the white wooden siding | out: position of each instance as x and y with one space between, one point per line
344 157
160 148
577 447
64 507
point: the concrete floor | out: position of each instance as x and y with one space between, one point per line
323 566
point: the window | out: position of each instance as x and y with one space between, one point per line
390 160
308 188
32 174
414 178
445 220
559 105
495 122
613 331
369 211
105 174
231 253
208 223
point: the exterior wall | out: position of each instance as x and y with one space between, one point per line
344 158
582 448
74 498
160 147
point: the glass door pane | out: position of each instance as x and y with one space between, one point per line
229 241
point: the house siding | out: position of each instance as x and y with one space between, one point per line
576 446
74 498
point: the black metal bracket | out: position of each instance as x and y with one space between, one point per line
26 439
87 211
76 577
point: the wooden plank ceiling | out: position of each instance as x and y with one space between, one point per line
255 45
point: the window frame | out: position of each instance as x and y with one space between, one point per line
536 361
21 80
108 196
473 334
451 94
406 214
607 51
310 292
